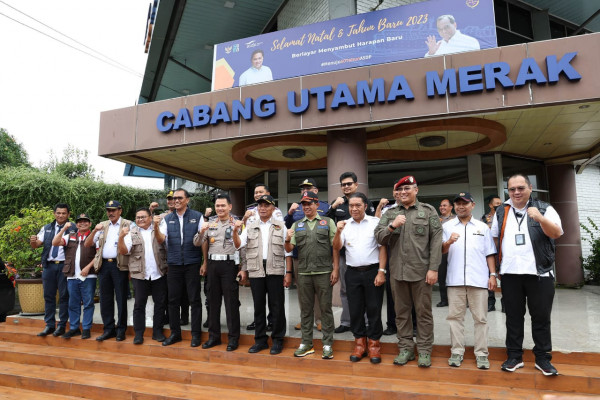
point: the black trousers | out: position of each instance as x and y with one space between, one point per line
271 285
222 285
389 297
442 272
53 279
144 288
364 296
113 284
188 275
538 294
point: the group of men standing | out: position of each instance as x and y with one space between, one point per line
402 245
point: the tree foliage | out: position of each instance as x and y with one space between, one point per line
73 164
12 153
592 262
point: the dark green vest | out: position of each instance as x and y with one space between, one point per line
314 248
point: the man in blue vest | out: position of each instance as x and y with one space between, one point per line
183 259
53 261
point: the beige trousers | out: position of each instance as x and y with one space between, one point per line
476 298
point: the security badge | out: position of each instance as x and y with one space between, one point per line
300 224
520 239
322 222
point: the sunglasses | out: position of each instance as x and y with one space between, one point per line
178 198
347 184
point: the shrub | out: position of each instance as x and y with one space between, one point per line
592 262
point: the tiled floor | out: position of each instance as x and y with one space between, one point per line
575 320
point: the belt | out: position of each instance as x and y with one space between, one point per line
56 262
110 260
221 257
365 268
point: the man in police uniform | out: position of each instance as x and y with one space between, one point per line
414 235
313 235
221 272
148 268
112 270
53 260
183 259
262 243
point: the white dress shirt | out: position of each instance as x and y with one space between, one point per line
77 258
151 268
163 225
111 239
253 75
61 252
458 43
358 238
264 232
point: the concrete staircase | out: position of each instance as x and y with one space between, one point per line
32 367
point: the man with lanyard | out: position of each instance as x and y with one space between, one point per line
79 261
445 216
294 214
414 234
471 272
53 259
365 277
494 202
112 271
262 242
148 268
313 235
525 229
339 212
221 271
178 229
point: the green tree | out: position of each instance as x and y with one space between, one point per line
73 164
12 153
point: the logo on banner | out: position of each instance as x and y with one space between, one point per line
228 49
253 43
472 3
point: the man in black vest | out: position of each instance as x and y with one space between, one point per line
183 259
53 261
524 230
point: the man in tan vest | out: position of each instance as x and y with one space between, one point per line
147 268
112 271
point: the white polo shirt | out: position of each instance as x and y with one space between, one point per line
519 259
359 241
467 264
151 268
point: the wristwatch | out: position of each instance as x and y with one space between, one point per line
495 275
391 227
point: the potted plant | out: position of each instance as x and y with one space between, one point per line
25 261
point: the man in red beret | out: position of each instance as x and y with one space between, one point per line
413 233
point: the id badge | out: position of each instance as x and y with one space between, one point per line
520 239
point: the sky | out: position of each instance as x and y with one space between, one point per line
51 95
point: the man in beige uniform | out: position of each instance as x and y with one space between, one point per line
414 234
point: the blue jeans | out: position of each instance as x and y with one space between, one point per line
81 292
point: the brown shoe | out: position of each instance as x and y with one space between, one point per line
319 327
375 351
360 350
298 326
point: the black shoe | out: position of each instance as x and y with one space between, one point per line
120 337
276 348
546 367
341 329
59 331
71 333
491 307
503 310
47 331
251 327
390 331
158 336
269 327
256 347
512 364
86 334
137 339
232 345
106 335
205 324
211 343
172 340
184 321
442 304
196 341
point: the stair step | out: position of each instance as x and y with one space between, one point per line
22 394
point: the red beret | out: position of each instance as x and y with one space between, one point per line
407 180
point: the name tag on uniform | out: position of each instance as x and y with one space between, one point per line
171 222
193 221
520 239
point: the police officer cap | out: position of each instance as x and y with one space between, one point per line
407 180
170 194
265 198
309 196
308 182
113 204
83 216
464 196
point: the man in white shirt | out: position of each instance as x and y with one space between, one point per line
525 229
471 272
365 276
258 72
453 41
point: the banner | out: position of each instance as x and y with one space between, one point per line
425 29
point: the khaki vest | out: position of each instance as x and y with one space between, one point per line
254 249
122 260
137 259
314 248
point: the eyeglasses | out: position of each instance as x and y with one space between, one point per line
404 188
178 198
140 218
519 188
347 184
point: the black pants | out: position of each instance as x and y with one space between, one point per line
538 294
363 296
271 285
222 284
177 276
442 272
53 279
389 297
113 284
144 288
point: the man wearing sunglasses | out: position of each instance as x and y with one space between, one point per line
112 270
183 260
339 211
524 230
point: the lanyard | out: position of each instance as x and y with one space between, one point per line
519 222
